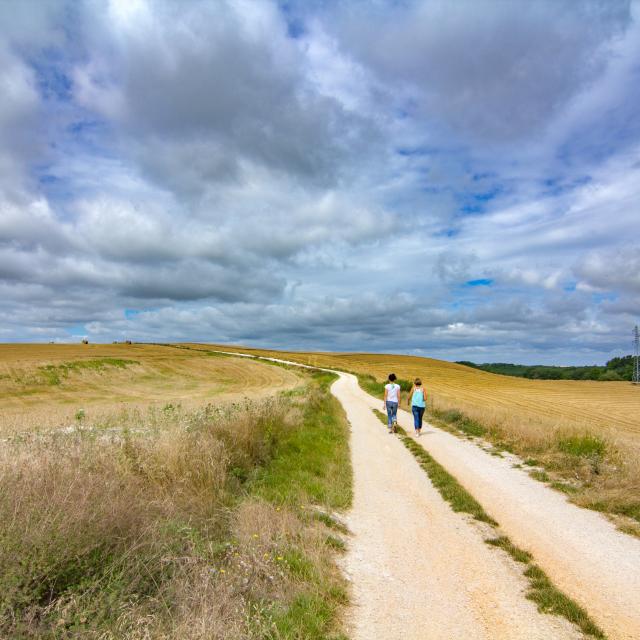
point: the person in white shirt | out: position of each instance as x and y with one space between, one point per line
391 402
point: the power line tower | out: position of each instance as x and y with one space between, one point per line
636 355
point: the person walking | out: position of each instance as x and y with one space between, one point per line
391 402
418 400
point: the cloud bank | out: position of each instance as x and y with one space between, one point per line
460 181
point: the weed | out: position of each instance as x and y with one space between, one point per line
564 487
585 446
541 476
542 591
504 543
375 388
335 543
460 421
330 522
550 600
381 416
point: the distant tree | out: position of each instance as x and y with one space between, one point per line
615 369
610 375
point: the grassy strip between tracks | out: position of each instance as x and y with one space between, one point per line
541 590
209 523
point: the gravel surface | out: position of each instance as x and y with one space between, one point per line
417 569
581 551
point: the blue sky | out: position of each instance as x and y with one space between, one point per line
459 180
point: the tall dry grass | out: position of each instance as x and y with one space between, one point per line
144 527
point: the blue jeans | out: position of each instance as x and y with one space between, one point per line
392 412
418 412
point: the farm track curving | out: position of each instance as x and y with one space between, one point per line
421 571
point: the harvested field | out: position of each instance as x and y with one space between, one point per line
44 386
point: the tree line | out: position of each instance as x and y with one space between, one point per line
614 369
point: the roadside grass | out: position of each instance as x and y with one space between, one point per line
460 421
178 524
541 590
376 388
310 463
311 474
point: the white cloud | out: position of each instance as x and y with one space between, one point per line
197 164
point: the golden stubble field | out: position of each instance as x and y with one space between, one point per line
612 408
46 385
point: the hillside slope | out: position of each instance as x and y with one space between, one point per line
46 385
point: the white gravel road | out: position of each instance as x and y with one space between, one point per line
418 570
404 530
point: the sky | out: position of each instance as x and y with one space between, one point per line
458 180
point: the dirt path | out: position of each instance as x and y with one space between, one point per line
421 571
418 570
580 550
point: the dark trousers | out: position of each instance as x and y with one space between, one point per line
418 412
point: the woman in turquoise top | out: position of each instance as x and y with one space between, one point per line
418 399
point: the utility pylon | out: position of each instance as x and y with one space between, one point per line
636 355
